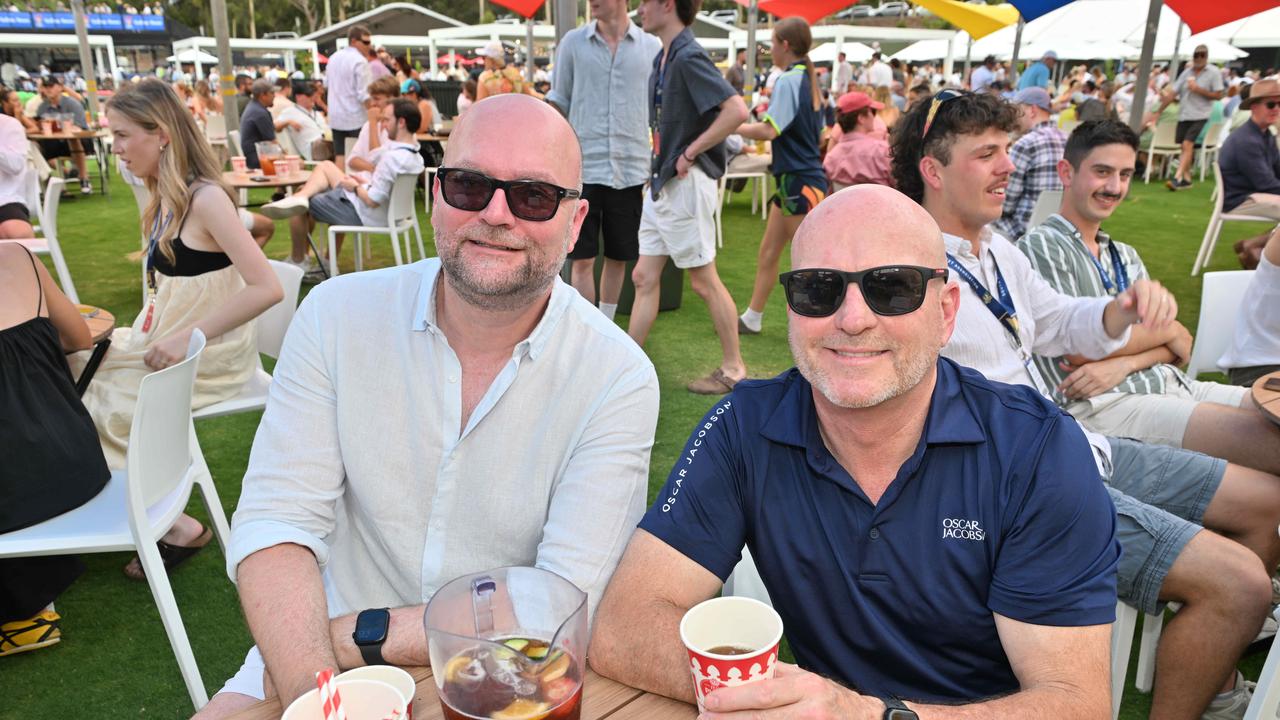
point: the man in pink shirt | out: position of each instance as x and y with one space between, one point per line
858 156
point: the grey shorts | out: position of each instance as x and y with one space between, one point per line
1160 494
333 207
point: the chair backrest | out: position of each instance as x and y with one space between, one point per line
273 323
160 438
233 139
1217 190
285 139
400 207
1214 136
1165 135
215 126
49 213
1046 205
1220 299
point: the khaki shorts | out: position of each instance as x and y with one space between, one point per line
1264 205
681 223
1153 418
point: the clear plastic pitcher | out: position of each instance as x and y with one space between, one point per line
269 153
508 644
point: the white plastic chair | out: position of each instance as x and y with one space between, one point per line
1121 649
1220 298
1266 696
47 243
215 128
401 216
1162 143
1047 204
745 580
1213 139
138 506
233 140
1215 223
271 327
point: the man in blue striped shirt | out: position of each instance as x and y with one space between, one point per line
1136 392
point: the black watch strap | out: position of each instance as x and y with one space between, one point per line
372 654
894 709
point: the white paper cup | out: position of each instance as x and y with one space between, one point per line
239 163
740 622
391 675
361 699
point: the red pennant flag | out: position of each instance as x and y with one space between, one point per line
524 8
1200 15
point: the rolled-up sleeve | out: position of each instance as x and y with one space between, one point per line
295 476
600 495
13 148
561 94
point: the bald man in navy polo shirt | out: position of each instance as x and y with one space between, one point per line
938 545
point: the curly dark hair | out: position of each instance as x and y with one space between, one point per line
969 114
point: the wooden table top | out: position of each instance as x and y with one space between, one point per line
241 180
1268 400
101 324
66 135
601 698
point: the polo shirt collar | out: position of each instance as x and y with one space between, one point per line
684 38
1066 227
794 420
424 316
958 246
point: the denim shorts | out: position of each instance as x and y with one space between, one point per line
1160 494
333 207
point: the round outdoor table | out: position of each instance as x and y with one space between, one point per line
1268 400
242 181
101 324
99 150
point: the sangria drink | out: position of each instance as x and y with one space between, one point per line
520 679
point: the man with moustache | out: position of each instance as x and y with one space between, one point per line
842 477
1137 391
432 420
1195 529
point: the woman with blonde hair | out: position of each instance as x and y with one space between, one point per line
794 123
890 112
204 271
208 101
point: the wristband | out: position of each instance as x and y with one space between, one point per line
685 154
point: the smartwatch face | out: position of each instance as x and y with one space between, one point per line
371 627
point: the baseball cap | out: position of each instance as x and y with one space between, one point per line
492 49
1037 96
1051 55
409 86
855 101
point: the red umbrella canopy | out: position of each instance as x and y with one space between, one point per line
1200 15
811 10
525 8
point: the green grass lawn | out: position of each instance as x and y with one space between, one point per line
115 660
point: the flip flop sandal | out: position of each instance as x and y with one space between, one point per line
172 555
33 634
717 383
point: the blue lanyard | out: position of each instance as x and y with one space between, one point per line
1117 268
1002 308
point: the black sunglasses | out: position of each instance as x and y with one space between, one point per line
528 199
888 290
1270 104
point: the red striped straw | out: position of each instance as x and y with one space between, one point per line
330 700
393 715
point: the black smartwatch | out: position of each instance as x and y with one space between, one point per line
895 710
371 633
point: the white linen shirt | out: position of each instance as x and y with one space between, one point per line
395 159
313 128
17 178
347 79
362 457
1256 339
1052 324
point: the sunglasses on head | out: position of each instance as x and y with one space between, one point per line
888 290
527 199
936 105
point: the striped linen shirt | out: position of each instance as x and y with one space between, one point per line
1056 250
1035 158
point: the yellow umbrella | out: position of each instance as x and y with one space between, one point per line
977 20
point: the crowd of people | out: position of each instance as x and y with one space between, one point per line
945 496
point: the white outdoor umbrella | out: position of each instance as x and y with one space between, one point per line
192 56
854 52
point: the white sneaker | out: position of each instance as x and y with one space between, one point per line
1231 706
286 208
1269 626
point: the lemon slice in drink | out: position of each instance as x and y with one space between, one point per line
522 709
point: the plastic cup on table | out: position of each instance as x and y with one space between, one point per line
731 641
46 126
361 700
294 163
239 164
389 674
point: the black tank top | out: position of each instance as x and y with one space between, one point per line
186 261
50 458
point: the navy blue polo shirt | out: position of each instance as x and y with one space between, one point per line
999 510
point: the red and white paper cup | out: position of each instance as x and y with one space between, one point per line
731 641
239 164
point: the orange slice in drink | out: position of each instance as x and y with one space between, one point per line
522 709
